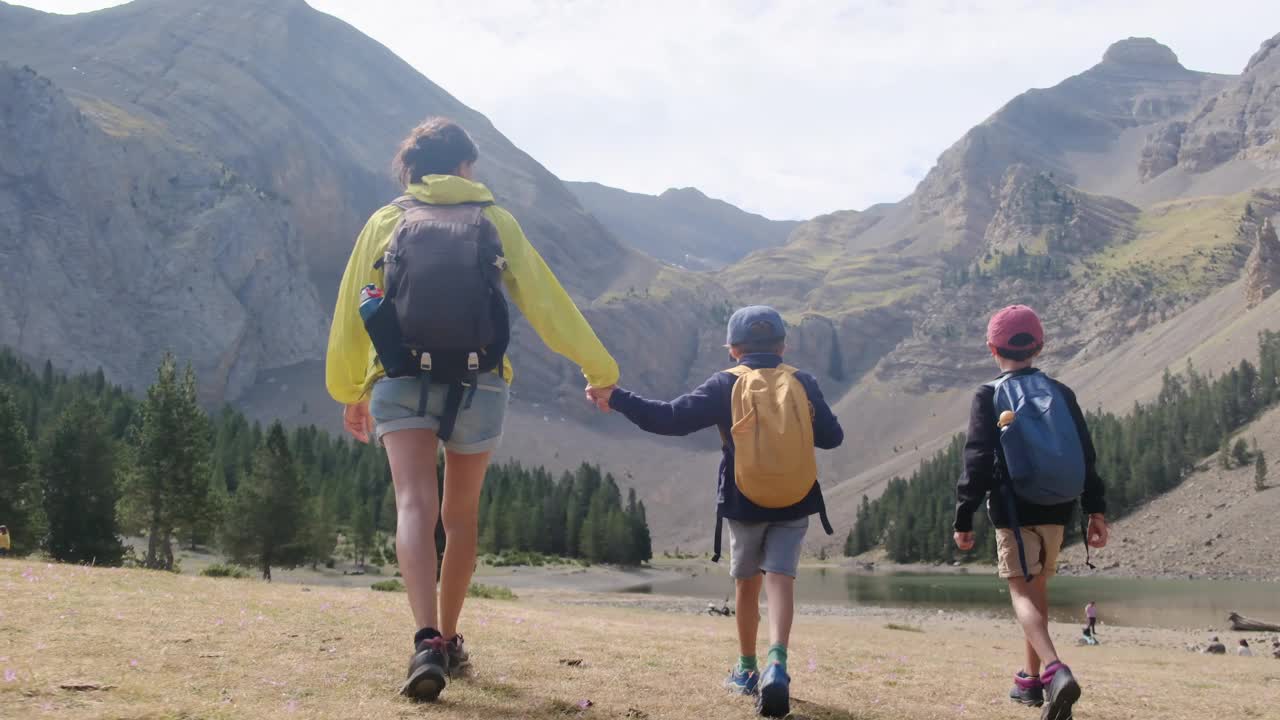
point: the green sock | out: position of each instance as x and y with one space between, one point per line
747 663
778 654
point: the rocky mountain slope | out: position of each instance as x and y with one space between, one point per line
189 174
682 226
113 247
301 111
1226 527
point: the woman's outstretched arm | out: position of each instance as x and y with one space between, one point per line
552 313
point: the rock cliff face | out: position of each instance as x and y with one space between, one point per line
113 250
1262 272
1242 122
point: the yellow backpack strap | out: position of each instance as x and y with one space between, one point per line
813 412
738 372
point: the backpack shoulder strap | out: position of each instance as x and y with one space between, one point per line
407 201
738 371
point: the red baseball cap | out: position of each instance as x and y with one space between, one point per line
1016 327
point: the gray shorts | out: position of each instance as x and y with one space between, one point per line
769 547
478 429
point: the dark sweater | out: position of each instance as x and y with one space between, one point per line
711 404
984 471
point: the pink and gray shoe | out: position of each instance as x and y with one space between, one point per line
1061 691
1027 690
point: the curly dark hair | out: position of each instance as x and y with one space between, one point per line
436 147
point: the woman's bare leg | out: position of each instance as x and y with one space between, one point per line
412 455
463 480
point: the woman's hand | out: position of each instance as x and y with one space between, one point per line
964 540
600 396
358 421
1097 532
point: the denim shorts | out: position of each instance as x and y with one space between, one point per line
394 406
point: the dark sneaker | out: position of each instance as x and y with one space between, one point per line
1060 693
742 681
427 670
775 692
459 658
1027 690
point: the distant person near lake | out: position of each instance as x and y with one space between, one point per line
771 416
1091 615
1029 451
6 543
417 356
1243 650
1215 647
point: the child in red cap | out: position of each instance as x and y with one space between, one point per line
1033 477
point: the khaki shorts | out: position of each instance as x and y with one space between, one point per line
1041 543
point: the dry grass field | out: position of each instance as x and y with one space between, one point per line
132 645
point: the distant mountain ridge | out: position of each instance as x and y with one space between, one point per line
682 226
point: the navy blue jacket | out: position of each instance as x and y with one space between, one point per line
711 404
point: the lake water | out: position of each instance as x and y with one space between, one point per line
1179 604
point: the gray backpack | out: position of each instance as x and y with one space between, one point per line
444 302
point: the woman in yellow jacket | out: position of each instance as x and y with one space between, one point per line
435 164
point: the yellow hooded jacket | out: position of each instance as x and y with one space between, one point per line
351 365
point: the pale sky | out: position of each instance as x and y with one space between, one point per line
789 108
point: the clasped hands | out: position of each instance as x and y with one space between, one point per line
599 396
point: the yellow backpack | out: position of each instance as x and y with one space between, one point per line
775 465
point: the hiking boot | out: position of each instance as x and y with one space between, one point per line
742 681
1060 692
459 658
1027 690
427 669
775 692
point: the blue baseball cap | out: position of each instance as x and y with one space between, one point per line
757 323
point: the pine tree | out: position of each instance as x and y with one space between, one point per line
1240 453
387 512
362 532
217 501
266 523
1259 471
77 466
321 533
20 508
1224 453
172 476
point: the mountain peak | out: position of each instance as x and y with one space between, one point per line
1140 51
684 192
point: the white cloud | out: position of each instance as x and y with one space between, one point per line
786 107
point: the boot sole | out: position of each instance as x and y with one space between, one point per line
425 684
1060 707
775 700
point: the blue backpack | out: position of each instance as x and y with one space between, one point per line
1043 457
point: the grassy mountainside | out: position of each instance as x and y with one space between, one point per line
1227 527
162 645
681 226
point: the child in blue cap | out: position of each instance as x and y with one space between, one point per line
771 417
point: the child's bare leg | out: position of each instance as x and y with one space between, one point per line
747 598
781 591
1030 604
1033 658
